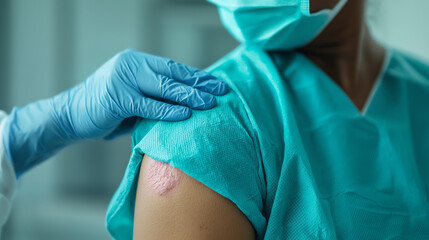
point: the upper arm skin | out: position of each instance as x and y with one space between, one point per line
172 205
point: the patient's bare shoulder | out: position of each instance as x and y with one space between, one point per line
172 205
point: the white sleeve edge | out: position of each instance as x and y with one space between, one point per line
7 178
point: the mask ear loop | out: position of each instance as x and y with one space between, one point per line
305 8
330 13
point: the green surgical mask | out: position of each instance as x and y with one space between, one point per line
274 24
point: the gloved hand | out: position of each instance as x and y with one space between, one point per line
105 105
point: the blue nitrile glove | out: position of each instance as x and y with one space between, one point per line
105 105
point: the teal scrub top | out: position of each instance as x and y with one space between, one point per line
295 155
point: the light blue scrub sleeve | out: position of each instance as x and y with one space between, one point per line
216 147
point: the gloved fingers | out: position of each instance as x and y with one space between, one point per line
188 75
186 95
214 87
196 78
153 109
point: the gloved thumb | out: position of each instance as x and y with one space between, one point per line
125 127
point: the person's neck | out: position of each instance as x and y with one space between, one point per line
348 53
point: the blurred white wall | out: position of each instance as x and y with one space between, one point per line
401 24
48 46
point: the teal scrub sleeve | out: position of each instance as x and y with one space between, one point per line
217 147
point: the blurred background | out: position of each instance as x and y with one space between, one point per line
48 46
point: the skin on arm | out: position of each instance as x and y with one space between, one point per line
172 205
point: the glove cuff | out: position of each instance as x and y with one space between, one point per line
32 135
